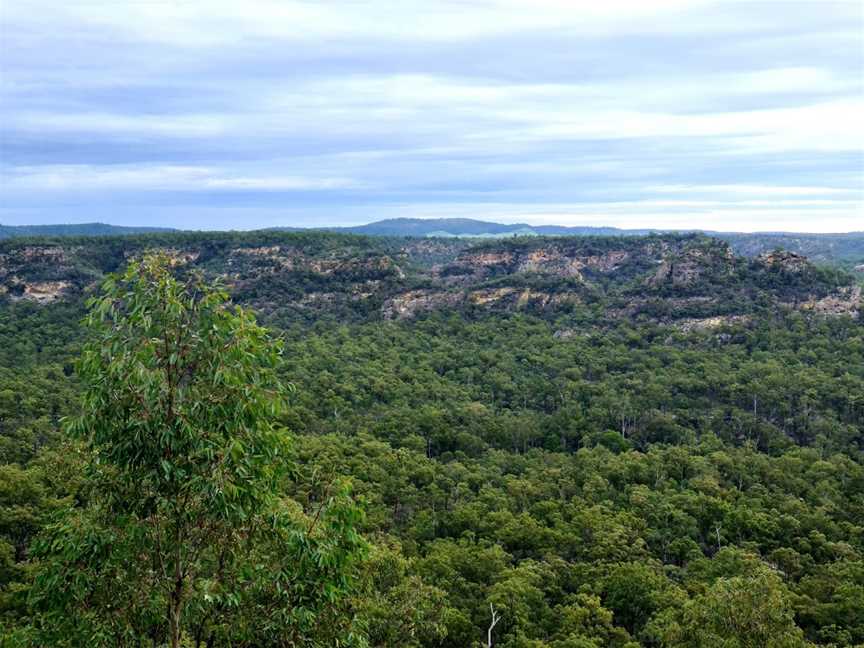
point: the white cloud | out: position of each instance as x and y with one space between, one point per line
157 178
215 23
733 190
833 125
461 113
532 100
120 124
474 111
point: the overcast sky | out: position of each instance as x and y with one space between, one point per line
734 115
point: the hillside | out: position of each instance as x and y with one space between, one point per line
292 276
615 440
839 250
821 248
79 229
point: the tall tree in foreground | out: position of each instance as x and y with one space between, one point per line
182 536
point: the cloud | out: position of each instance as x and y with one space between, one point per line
83 178
112 124
205 24
821 126
734 190
362 109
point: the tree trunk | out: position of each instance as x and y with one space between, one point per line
495 618
176 602
175 624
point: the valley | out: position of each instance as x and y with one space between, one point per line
611 440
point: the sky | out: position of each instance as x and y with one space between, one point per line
739 115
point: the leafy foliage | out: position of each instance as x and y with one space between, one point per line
600 474
182 508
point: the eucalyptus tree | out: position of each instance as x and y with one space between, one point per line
182 535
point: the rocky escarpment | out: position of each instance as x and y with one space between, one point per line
41 292
293 269
689 281
252 262
691 265
782 260
39 273
410 304
693 283
556 259
846 300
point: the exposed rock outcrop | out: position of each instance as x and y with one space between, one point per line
627 277
407 305
691 265
39 273
257 261
788 261
846 301
553 259
44 292
709 323
483 297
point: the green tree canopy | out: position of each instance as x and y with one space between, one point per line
183 535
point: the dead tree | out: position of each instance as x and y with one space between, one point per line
495 619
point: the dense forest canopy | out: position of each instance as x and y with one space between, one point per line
607 441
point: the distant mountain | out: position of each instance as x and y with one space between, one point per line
841 249
80 229
468 227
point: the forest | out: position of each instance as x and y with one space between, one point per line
320 439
